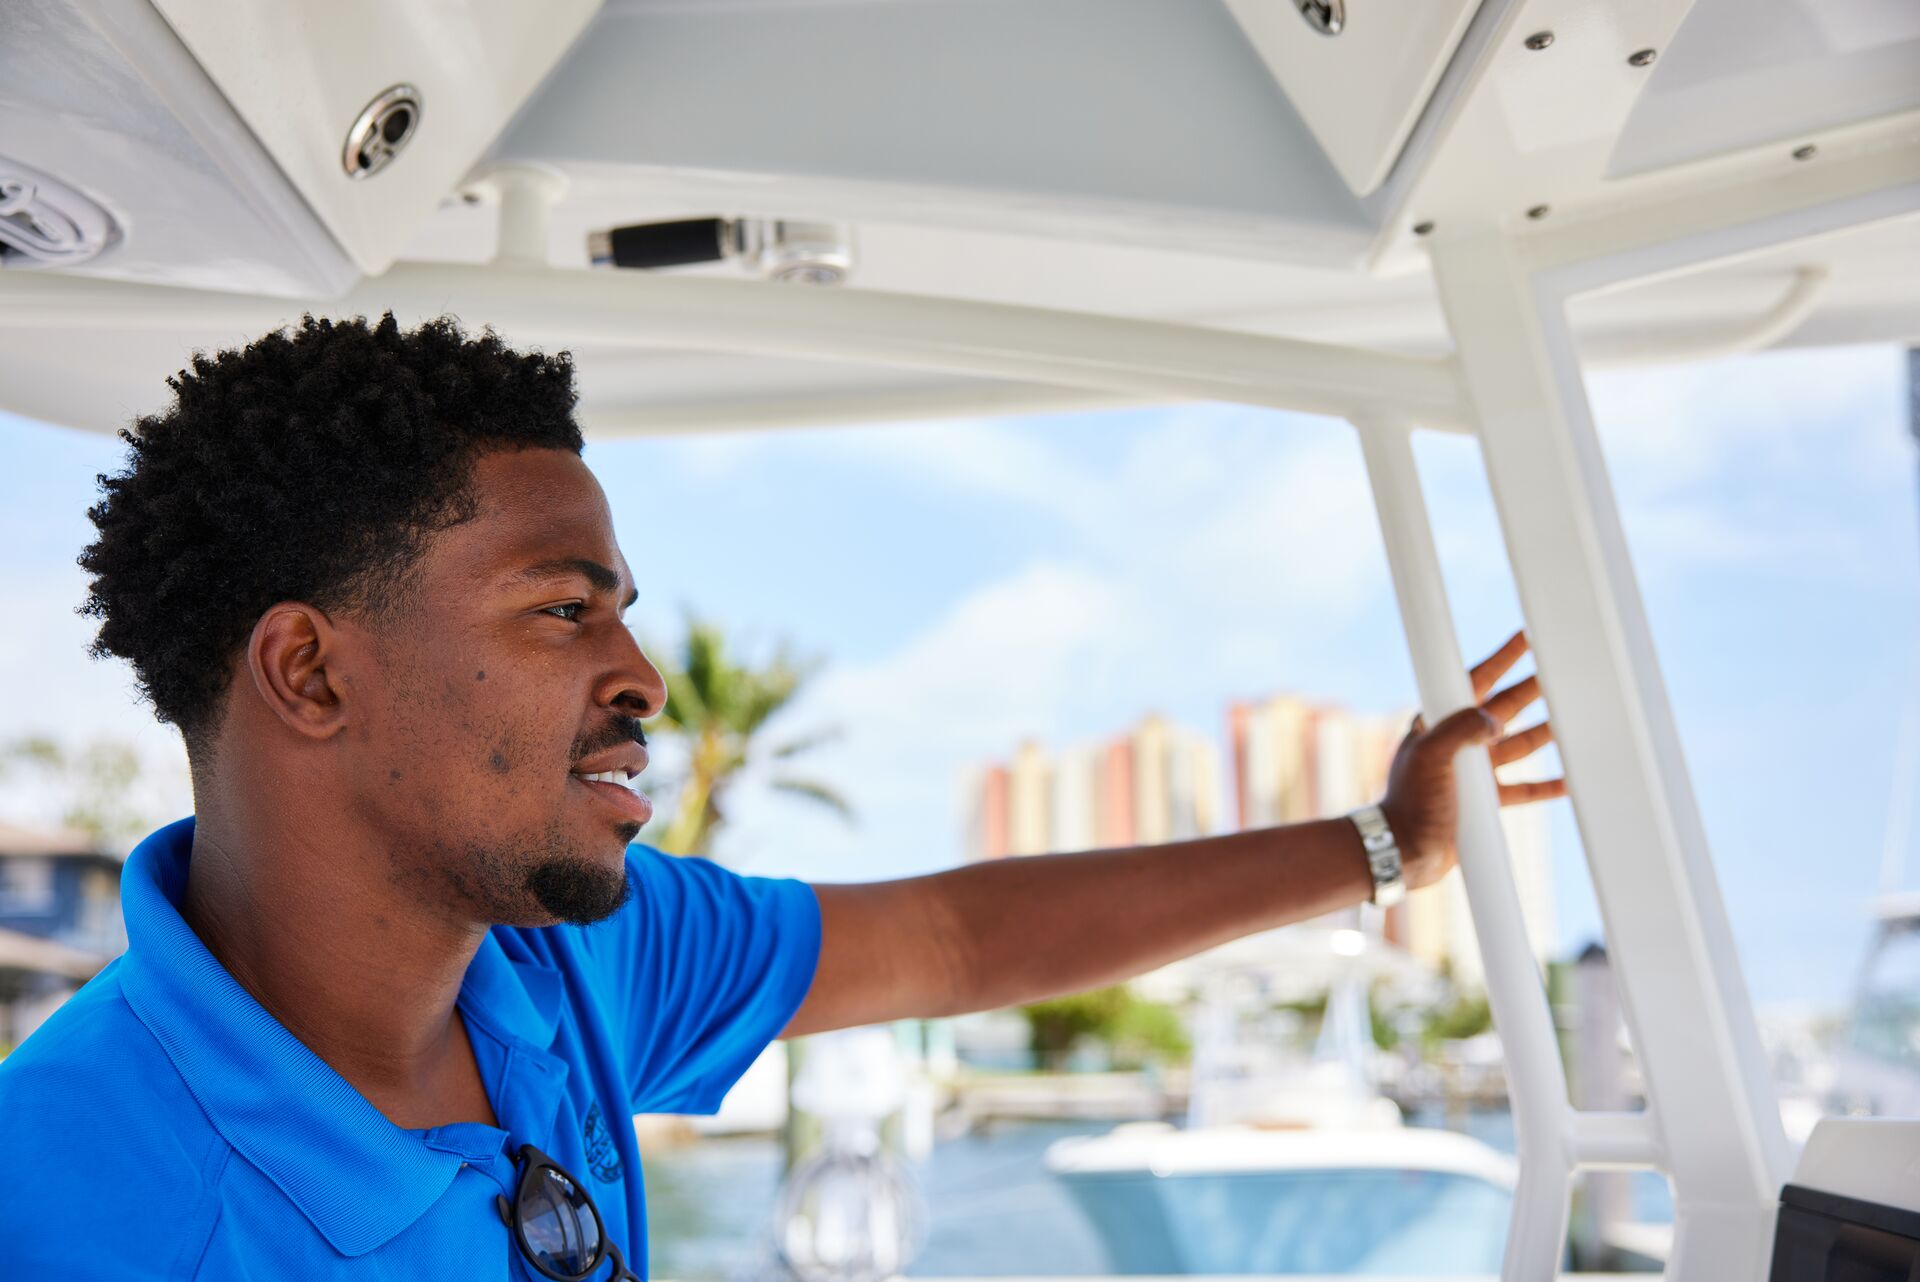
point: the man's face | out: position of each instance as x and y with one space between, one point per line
513 671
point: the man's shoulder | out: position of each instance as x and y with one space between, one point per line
92 1093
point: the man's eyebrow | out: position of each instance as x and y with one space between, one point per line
592 571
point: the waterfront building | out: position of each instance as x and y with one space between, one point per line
1030 802
1158 782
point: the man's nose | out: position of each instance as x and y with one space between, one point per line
641 690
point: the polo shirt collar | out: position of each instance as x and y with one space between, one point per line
359 1178
516 1000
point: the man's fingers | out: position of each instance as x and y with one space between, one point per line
1515 794
1521 743
1467 726
1506 705
1495 665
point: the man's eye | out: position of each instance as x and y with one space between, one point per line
571 605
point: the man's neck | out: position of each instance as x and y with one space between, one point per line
334 946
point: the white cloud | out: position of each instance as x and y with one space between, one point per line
993 663
1710 461
1718 466
1208 502
1008 661
1009 459
1222 552
1678 426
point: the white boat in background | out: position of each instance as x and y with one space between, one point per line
1333 1201
775 213
1289 1167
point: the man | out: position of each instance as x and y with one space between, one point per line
366 1025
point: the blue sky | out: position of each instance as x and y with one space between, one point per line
972 584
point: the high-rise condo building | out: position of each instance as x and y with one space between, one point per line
1161 782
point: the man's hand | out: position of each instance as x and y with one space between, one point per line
1422 805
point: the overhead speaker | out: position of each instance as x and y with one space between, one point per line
45 223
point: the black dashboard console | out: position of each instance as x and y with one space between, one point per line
1824 1237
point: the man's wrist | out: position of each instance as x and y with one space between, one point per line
1382 849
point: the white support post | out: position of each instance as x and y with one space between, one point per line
1686 1004
1536 1079
527 194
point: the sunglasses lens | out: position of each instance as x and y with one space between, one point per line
559 1223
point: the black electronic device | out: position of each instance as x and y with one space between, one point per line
1824 1237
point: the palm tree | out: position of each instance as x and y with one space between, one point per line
718 706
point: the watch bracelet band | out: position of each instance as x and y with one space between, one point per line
1383 855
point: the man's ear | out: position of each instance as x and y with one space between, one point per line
291 654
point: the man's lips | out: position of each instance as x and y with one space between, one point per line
630 757
630 804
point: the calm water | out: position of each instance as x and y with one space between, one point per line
995 1211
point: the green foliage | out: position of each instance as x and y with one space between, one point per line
1054 1025
1134 1030
1466 1016
720 706
95 781
1385 1035
1310 1009
1313 1010
1149 1031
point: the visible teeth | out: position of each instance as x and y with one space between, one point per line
608 776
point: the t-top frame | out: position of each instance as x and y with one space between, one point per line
1712 1122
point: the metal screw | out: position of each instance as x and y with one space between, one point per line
1804 153
1423 229
1325 16
1538 212
1539 40
1641 58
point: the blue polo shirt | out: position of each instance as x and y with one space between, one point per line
163 1125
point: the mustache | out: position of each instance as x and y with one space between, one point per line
623 730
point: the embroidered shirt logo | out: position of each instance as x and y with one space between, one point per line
603 1159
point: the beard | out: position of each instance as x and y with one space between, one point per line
535 882
578 891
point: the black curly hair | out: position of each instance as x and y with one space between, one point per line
309 467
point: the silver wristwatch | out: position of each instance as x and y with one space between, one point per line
1383 856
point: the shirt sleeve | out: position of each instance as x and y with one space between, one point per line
700 972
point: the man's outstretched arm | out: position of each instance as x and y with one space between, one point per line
1018 930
